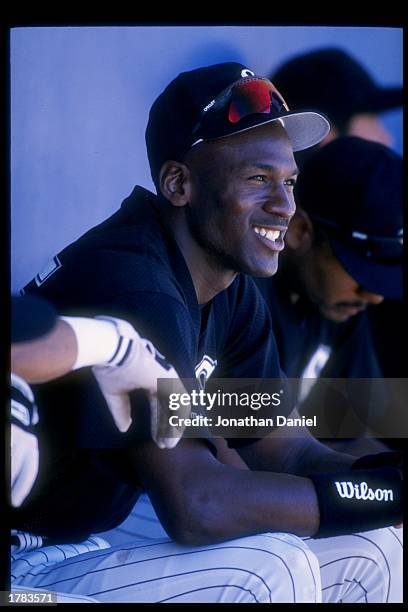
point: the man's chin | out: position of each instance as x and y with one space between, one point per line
263 274
265 271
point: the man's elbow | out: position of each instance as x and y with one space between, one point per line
194 521
188 537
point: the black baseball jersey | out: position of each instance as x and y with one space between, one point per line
363 347
130 267
313 347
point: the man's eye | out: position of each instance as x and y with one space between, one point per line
258 177
291 182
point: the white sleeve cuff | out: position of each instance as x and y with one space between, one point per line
97 340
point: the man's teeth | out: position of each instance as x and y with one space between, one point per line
268 233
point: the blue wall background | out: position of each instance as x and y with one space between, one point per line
80 98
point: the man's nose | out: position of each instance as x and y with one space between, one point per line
369 297
281 202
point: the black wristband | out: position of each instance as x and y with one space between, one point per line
358 500
392 458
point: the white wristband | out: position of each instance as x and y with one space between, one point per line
97 340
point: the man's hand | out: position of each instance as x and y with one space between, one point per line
136 364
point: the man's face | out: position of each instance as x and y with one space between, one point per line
327 284
242 198
364 125
370 127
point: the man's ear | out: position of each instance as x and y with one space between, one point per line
299 236
174 182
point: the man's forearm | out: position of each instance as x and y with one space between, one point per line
47 357
200 500
259 502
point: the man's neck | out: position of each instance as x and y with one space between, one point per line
287 277
207 276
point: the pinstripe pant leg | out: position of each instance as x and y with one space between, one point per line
363 567
267 568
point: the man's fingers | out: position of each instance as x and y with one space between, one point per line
163 433
120 409
142 371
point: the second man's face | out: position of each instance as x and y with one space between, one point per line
337 295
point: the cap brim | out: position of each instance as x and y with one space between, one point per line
304 128
382 279
383 99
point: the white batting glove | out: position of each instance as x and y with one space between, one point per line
136 364
24 445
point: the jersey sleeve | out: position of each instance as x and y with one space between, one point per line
135 287
31 318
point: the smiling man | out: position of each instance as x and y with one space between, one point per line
236 203
178 265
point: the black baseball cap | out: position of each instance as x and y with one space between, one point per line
334 82
217 101
352 189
